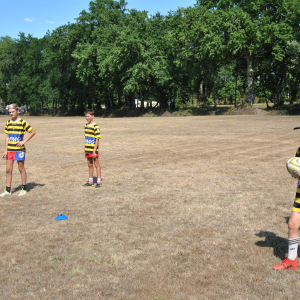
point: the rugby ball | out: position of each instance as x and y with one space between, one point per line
293 166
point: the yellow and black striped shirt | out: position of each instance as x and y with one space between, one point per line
91 134
15 131
296 206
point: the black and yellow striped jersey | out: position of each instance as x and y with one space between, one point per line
15 131
91 134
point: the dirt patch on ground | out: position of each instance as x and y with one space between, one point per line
190 208
186 112
246 111
200 111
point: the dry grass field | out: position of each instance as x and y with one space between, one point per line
190 208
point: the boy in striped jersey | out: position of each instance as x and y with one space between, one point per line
15 147
293 226
92 136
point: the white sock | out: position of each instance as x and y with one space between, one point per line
293 248
91 180
98 180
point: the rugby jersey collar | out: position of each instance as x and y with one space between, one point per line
19 119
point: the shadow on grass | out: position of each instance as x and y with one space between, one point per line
279 244
29 186
95 179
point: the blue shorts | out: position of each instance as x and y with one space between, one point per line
16 156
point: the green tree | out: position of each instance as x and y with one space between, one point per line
6 59
246 29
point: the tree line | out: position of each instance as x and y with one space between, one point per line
218 51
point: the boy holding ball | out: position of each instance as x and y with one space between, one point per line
291 262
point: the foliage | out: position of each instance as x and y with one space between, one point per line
219 49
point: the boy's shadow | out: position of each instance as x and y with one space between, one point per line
279 244
95 179
29 186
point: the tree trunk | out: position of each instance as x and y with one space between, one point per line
236 80
111 102
262 84
283 83
205 90
250 82
200 92
294 91
98 105
266 99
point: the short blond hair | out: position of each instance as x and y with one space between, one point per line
13 106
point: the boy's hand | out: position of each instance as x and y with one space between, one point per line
4 155
20 144
94 154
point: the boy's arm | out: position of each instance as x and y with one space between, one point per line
6 144
95 148
21 143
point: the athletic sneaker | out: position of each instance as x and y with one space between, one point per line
22 193
287 264
6 193
88 184
98 185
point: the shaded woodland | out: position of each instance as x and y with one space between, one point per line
215 52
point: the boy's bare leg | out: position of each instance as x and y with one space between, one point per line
22 170
9 169
97 166
294 224
292 262
91 167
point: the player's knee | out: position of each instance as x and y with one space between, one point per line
292 225
21 169
8 170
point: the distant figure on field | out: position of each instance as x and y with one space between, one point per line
291 262
92 137
15 147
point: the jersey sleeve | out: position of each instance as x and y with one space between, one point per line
6 128
27 127
298 152
97 132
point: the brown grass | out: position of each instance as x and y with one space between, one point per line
190 208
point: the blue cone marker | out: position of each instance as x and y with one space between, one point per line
61 217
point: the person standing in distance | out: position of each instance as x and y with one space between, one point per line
15 147
92 137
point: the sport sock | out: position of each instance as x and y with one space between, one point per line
8 189
23 187
293 248
91 180
99 180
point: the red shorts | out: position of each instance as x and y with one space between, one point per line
16 156
90 155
